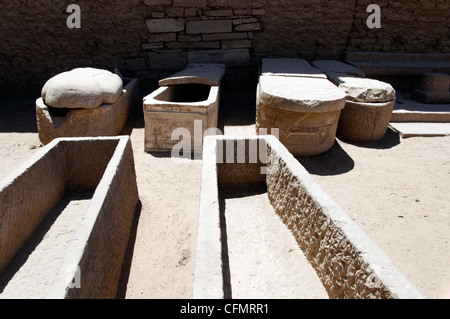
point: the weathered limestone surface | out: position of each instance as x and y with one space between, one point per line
368 109
300 94
201 73
98 243
334 66
348 263
364 89
82 88
105 120
305 110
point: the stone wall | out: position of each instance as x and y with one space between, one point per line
150 39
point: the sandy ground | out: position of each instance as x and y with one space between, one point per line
265 261
395 189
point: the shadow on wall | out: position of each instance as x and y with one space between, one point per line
18 115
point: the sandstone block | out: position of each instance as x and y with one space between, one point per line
209 26
363 89
434 89
248 27
436 82
167 59
333 66
165 25
224 36
234 44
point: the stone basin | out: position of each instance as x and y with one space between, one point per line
66 220
267 230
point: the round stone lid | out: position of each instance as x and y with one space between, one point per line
300 94
364 90
82 88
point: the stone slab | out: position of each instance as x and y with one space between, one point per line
409 110
290 67
420 129
431 97
200 73
334 66
435 82
363 89
392 63
300 94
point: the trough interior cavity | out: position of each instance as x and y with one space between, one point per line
57 186
260 256
187 93
32 271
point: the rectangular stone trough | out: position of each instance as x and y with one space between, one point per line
65 221
185 99
105 120
267 230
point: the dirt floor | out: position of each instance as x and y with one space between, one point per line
395 189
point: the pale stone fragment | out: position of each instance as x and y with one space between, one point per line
165 25
363 89
82 88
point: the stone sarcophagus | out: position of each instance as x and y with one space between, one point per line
299 101
184 99
85 102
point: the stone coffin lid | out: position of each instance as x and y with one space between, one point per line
197 73
300 94
82 88
363 89
333 66
290 67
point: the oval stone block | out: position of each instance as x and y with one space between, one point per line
82 88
